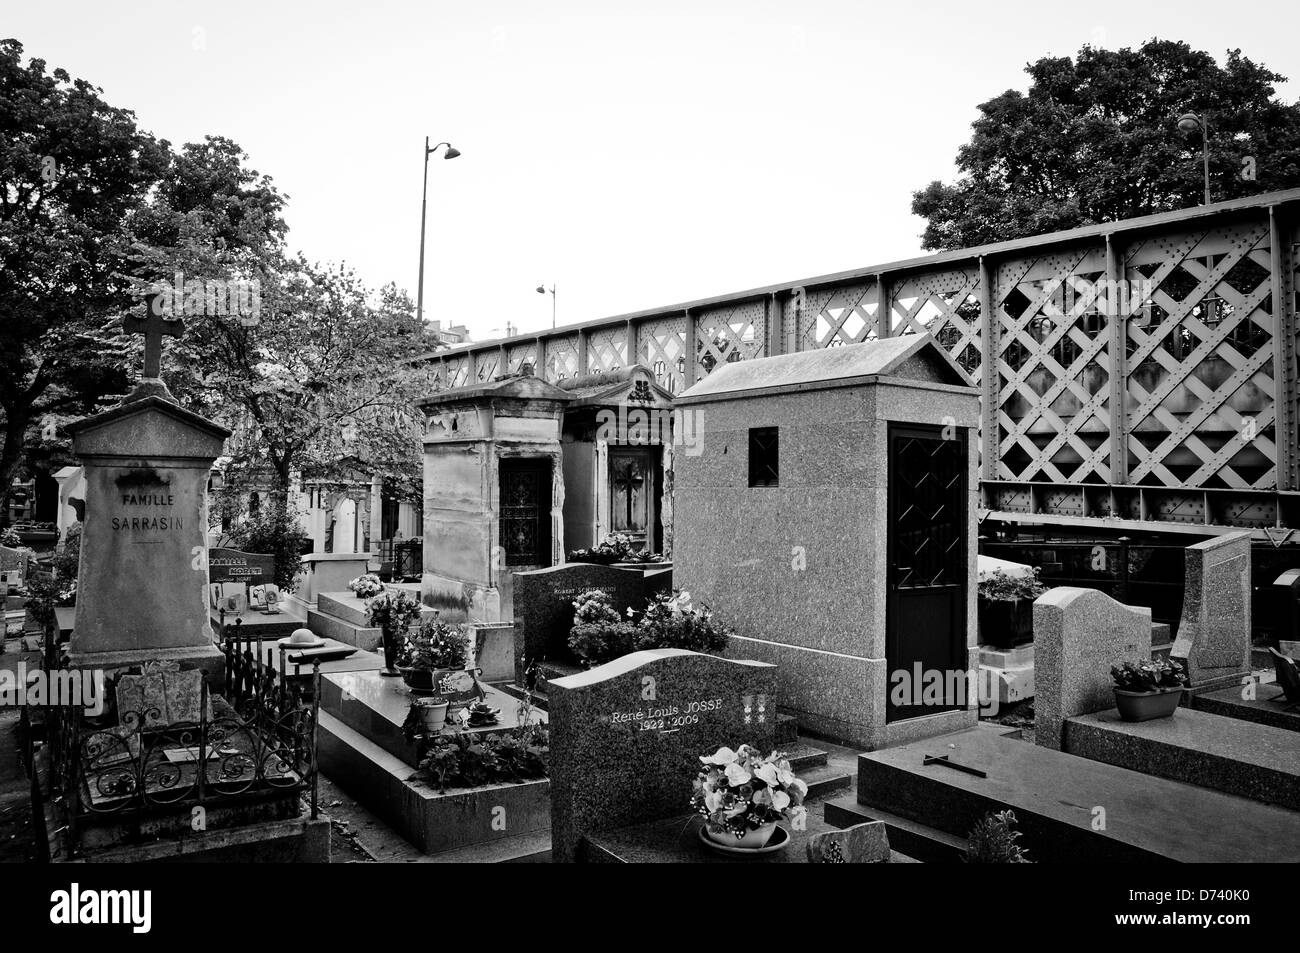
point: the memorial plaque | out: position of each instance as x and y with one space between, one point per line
543 601
231 565
627 736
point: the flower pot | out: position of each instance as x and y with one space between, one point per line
751 840
417 679
1006 623
390 654
1144 706
432 717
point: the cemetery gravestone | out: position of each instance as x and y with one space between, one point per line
1214 633
1078 635
13 566
231 565
142 582
860 844
627 736
544 599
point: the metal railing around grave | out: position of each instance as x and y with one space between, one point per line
1140 371
254 741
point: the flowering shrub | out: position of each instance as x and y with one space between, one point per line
669 621
739 791
438 645
1002 586
614 548
366 586
599 633
468 760
1154 676
993 841
392 612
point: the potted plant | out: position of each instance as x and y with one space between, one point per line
1148 690
392 612
744 795
428 714
1006 608
433 659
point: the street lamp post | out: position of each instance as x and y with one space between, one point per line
451 153
1191 122
541 290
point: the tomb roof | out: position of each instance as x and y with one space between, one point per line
514 386
612 386
910 357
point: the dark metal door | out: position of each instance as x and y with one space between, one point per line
925 622
525 534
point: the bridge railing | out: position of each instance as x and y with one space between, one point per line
1137 371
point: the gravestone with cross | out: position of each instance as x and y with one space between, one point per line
154 326
143 578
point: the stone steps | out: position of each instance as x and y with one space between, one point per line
1058 798
915 840
1212 751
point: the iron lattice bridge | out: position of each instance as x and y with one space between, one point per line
1133 373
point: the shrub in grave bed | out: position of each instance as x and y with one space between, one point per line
467 760
614 548
993 841
1006 607
600 633
276 533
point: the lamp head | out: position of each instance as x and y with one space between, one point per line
1189 122
541 289
451 153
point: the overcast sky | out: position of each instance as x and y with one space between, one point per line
634 155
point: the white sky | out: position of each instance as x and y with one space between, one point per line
635 155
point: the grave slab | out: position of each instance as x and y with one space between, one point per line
1237 757
1262 709
434 821
1055 797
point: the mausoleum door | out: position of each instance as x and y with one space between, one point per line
927 571
525 511
631 493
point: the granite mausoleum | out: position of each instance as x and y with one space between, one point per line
830 516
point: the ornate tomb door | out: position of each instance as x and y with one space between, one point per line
631 494
927 575
525 533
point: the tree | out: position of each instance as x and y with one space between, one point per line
320 385
72 171
1095 139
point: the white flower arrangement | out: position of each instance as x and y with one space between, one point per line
366 586
740 791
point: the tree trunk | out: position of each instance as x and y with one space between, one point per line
280 491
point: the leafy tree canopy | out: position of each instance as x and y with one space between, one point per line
1095 139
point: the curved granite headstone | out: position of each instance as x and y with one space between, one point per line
626 737
1214 632
1078 635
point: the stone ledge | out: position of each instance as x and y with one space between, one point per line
1250 760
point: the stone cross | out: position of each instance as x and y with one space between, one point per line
153 326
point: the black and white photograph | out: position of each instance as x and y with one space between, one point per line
724 432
